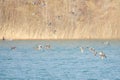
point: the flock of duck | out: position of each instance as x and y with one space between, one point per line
82 49
101 54
40 47
94 52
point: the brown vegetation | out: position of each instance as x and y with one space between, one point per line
60 19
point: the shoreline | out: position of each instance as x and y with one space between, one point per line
61 39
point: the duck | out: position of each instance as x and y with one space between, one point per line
13 48
39 47
102 55
93 51
47 46
81 49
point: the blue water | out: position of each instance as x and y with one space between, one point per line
63 61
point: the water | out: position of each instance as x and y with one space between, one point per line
63 61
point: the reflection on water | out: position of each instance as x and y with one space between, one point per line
64 61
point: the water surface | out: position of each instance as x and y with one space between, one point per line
63 61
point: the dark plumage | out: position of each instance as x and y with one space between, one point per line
13 48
